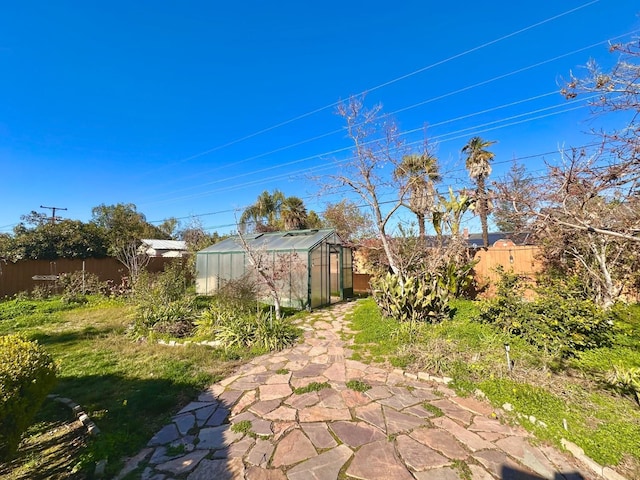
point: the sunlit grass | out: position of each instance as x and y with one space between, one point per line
129 388
604 424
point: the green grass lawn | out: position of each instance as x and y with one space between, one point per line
128 388
605 424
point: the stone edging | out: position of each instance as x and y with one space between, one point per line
173 343
92 428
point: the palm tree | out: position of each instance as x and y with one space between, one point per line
420 172
479 166
264 213
293 213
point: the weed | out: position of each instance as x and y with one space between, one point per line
312 387
282 371
463 469
432 409
243 427
358 385
175 450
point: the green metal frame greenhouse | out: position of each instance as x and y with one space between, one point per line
315 265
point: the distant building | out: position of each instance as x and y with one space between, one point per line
164 248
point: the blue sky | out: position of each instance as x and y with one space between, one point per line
186 108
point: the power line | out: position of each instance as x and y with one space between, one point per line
424 102
440 138
53 213
389 82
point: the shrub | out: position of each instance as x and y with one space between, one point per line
560 321
420 298
73 284
261 331
27 374
626 381
163 303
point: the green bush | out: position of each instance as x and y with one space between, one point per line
560 320
27 375
261 331
423 298
164 304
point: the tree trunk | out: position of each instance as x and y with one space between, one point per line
483 206
421 225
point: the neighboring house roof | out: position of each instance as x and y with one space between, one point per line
301 240
164 248
474 240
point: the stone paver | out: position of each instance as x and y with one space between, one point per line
382 433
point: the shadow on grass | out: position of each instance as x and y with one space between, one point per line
510 473
74 336
128 412
51 448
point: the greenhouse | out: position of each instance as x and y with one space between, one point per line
311 268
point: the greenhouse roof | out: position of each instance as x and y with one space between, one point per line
301 240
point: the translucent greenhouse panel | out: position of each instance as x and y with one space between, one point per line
334 275
224 266
237 265
201 274
316 278
347 269
324 262
299 286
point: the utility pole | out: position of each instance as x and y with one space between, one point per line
53 212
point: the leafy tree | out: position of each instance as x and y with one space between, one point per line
124 227
293 213
264 213
168 227
273 212
50 241
314 220
348 220
421 173
478 164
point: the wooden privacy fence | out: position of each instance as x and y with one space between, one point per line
520 260
18 277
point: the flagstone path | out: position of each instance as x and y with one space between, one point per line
401 428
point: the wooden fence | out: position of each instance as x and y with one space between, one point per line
18 277
519 259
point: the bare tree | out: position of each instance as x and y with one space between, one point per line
586 209
377 153
134 257
277 272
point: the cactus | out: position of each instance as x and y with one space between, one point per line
406 298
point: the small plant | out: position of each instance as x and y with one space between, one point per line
282 371
463 469
175 450
312 387
626 381
432 409
243 427
358 385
